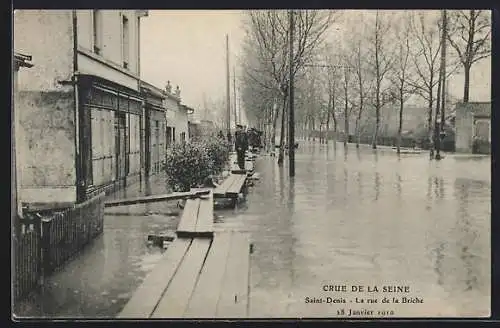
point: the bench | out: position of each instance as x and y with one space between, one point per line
231 186
197 217
196 278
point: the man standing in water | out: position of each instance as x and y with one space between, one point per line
241 145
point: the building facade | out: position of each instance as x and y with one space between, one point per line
20 61
172 105
182 122
473 127
155 129
82 112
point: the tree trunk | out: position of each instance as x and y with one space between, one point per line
327 127
313 129
335 124
466 83
346 125
275 123
377 127
436 114
400 127
282 133
357 132
429 129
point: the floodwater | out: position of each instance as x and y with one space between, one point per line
102 278
348 218
364 218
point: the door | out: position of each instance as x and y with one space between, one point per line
120 142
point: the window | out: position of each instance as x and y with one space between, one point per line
125 41
97 30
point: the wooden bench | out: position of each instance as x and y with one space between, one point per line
231 186
197 217
196 278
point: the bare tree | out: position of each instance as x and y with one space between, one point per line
402 73
469 34
356 61
381 58
425 30
348 105
267 37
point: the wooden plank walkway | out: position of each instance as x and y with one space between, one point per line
157 198
231 186
144 301
197 217
235 169
197 278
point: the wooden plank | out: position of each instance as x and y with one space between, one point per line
155 198
174 302
203 303
206 215
235 188
233 301
222 188
147 296
189 216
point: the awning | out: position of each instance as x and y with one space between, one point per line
103 83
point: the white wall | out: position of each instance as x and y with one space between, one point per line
181 125
111 36
47 35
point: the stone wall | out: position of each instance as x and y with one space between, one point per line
465 121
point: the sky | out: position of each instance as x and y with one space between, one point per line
188 48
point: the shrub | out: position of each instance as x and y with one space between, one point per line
189 165
218 151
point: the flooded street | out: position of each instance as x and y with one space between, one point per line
355 218
368 218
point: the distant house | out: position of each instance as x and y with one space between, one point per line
172 104
473 126
182 122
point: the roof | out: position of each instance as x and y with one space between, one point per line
22 60
151 89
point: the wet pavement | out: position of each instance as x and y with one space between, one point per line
348 218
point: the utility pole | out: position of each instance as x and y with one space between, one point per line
228 99
237 119
439 127
291 121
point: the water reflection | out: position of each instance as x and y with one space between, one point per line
291 194
399 181
439 187
359 178
438 266
377 185
467 234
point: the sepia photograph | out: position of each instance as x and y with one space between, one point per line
239 164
